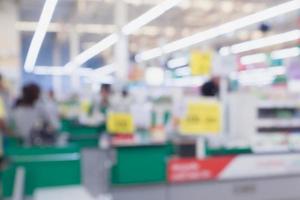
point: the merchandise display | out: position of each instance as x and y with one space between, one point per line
133 99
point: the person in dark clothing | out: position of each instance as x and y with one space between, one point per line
211 87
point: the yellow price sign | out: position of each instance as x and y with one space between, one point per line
202 118
121 123
200 63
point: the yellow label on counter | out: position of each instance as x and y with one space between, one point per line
201 63
121 123
202 118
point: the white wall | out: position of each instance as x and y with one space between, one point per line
9 42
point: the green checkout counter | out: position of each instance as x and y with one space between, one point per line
156 168
148 163
82 135
44 167
140 164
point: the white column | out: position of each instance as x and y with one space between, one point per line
74 51
57 80
224 102
121 48
10 62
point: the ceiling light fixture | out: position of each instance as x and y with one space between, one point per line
93 51
85 72
275 55
184 71
286 53
177 62
186 81
264 76
39 34
254 58
49 70
149 16
221 30
129 28
260 43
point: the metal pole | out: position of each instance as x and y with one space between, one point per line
18 193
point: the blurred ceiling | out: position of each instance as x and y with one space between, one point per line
94 19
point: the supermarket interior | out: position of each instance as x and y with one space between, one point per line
149 100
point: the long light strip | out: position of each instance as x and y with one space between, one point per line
108 69
264 76
49 70
86 72
183 71
260 43
178 62
220 30
186 81
102 80
93 51
254 58
286 53
39 34
127 29
149 16
275 55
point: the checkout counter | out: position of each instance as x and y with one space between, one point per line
164 170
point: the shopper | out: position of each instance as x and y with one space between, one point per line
32 120
211 87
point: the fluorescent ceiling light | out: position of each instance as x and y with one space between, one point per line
177 62
278 54
49 70
278 70
105 70
39 34
102 80
223 29
149 16
194 81
184 71
255 58
127 29
149 54
61 71
286 53
93 51
259 77
265 42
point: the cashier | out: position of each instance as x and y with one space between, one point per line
103 101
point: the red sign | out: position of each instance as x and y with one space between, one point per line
122 139
183 170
